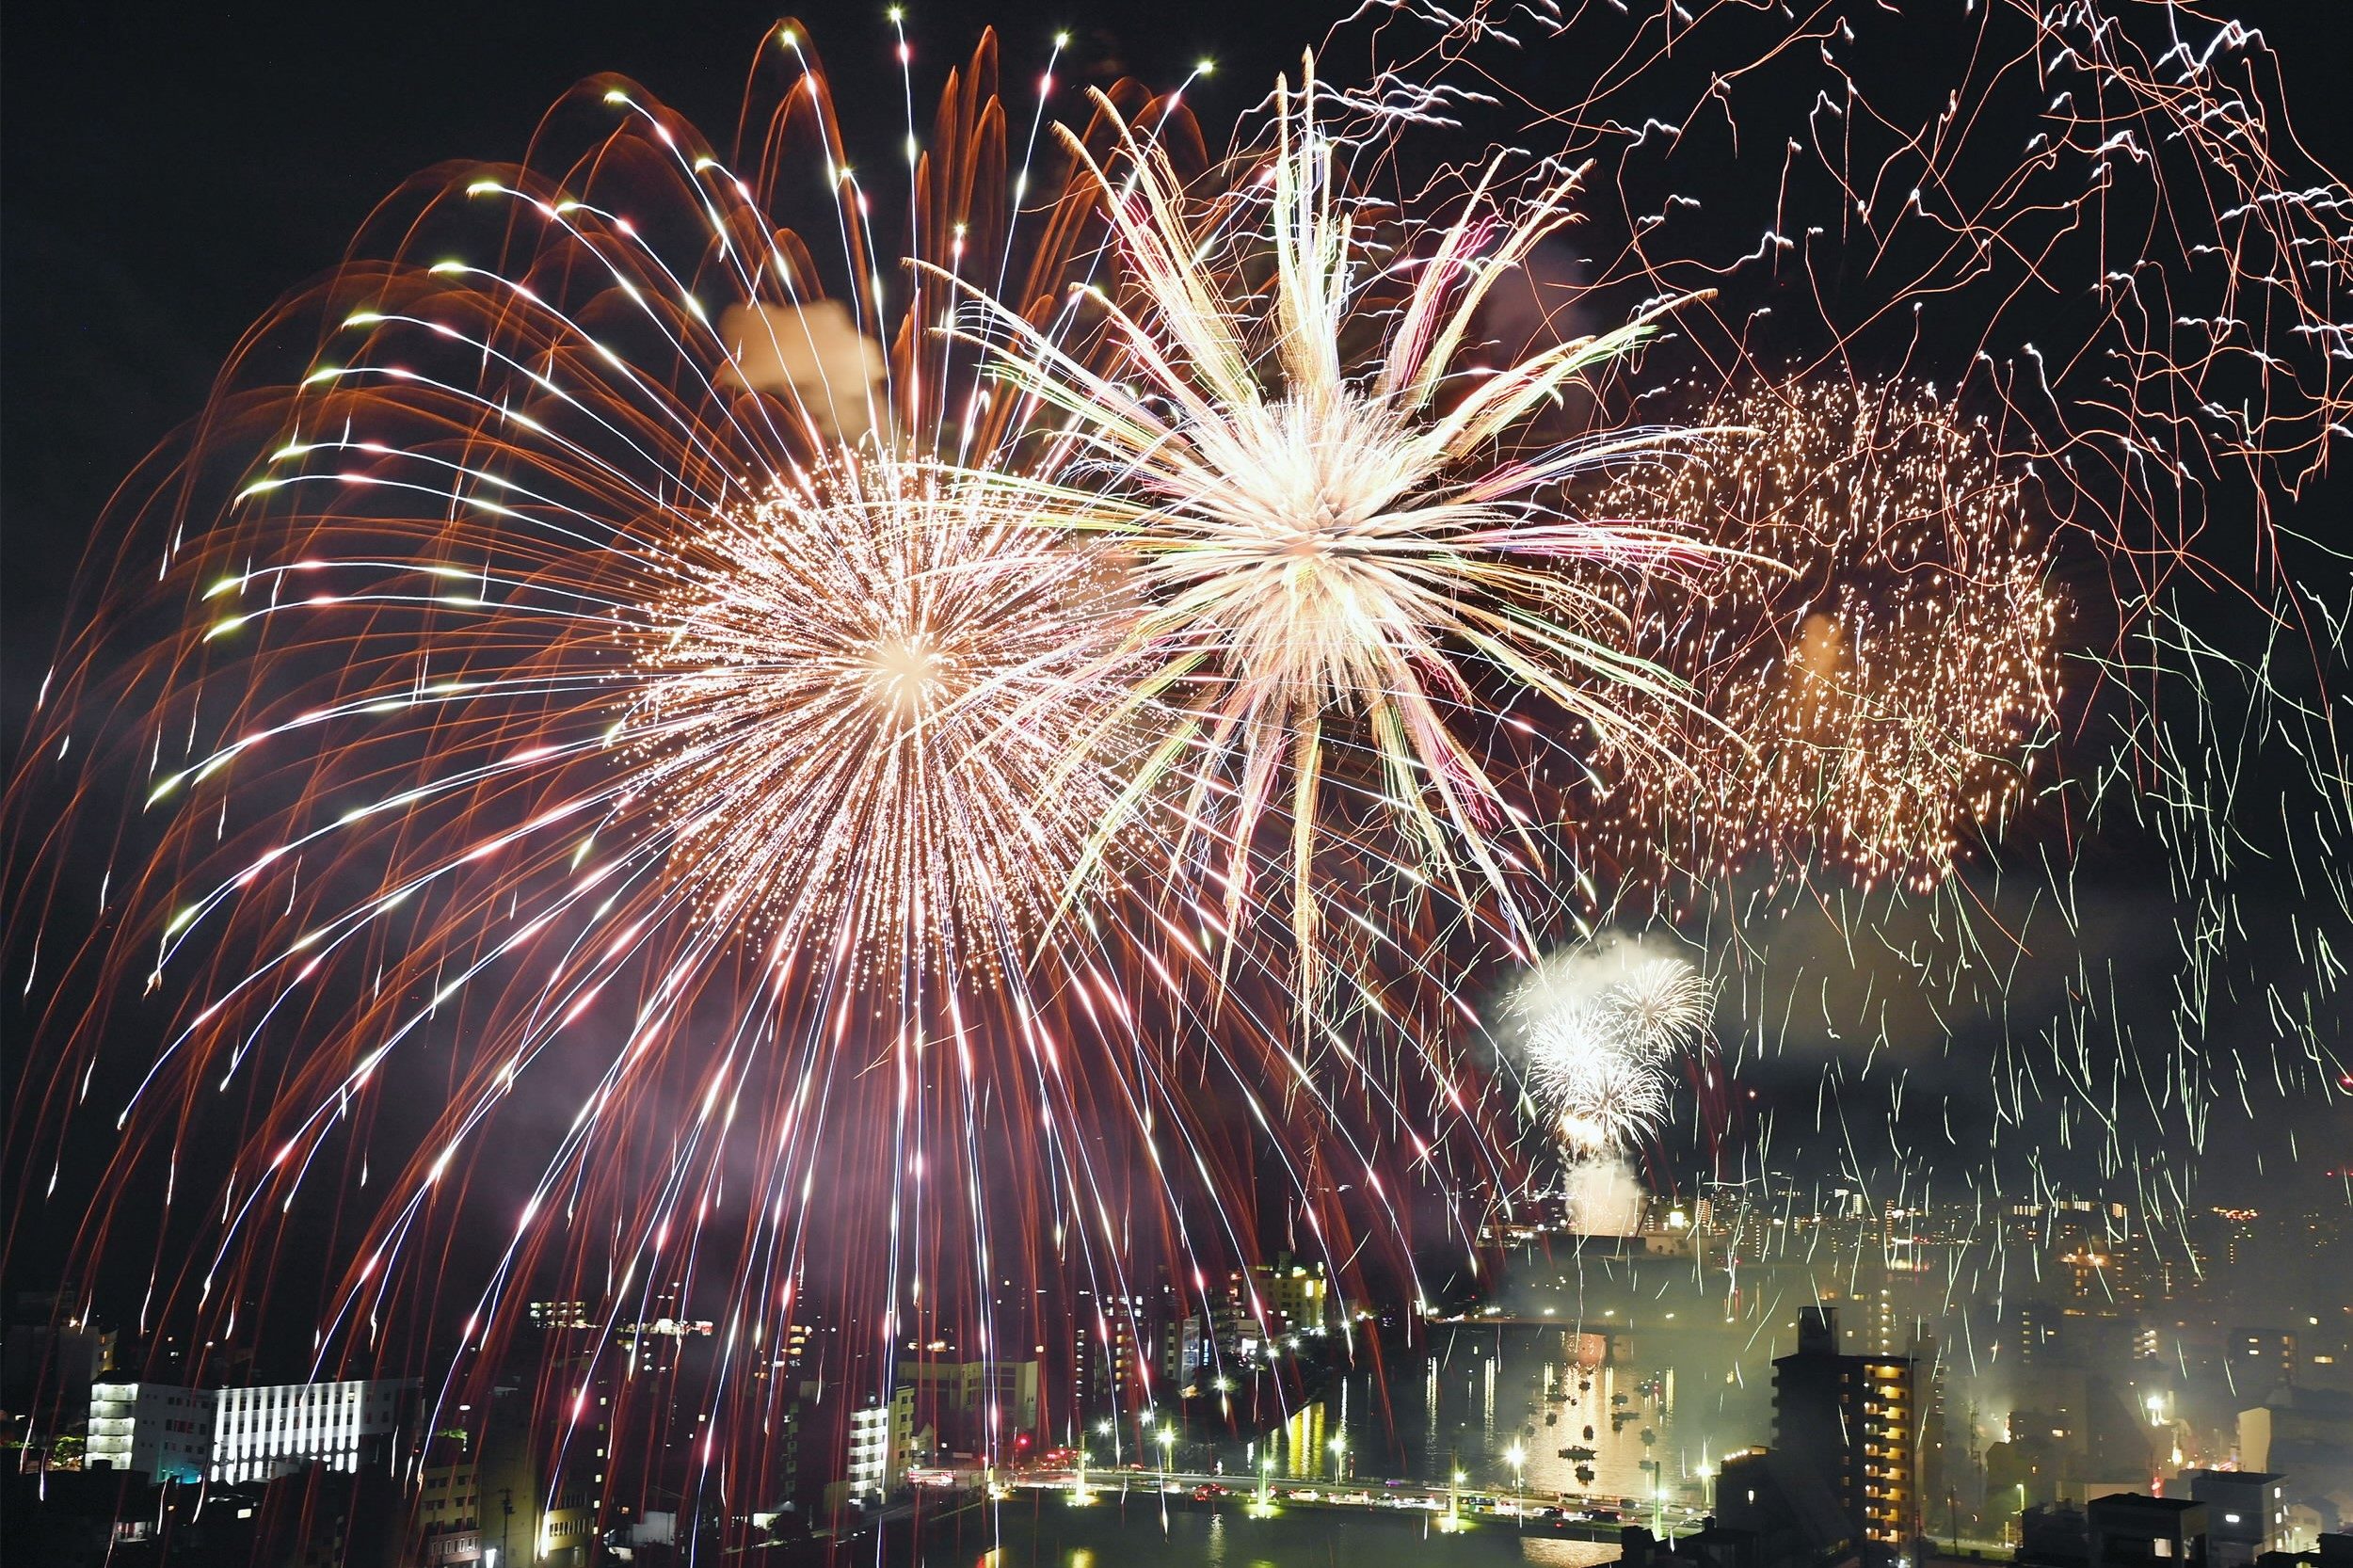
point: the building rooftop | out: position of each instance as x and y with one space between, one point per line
2145 1503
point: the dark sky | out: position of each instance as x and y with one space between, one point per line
169 171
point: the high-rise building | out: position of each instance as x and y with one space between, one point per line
1853 1420
976 1404
1939 1480
552 1317
1294 1293
881 1434
2038 1335
2261 1356
1184 1349
483 1495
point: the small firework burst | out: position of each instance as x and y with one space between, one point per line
1599 1031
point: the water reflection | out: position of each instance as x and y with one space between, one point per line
1144 1535
1596 1421
1548 1412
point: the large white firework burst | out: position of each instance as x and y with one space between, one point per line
1340 548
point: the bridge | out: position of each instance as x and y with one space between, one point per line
1569 1518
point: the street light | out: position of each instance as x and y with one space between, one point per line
1168 1441
1339 1458
1519 1456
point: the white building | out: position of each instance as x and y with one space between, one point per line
265 1431
880 1438
153 1429
242 1434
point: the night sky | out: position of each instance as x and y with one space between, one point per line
169 171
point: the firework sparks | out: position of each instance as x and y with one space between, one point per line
857 697
640 657
1338 549
653 691
1879 655
1599 1030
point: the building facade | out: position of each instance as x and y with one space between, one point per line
154 1430
881 1434
231 1436
975 1404
269 1431
1853 1420
2246 1514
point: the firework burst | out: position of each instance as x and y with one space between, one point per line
857 694
1877 660
1599 1031
1339 549
625 675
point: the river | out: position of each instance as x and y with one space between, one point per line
1499 1405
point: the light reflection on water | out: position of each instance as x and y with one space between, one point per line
1478 1392
1143 1536
1481 1394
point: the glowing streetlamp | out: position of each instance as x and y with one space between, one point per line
1266 1479
1519 1456
1339 1458
1168 1441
